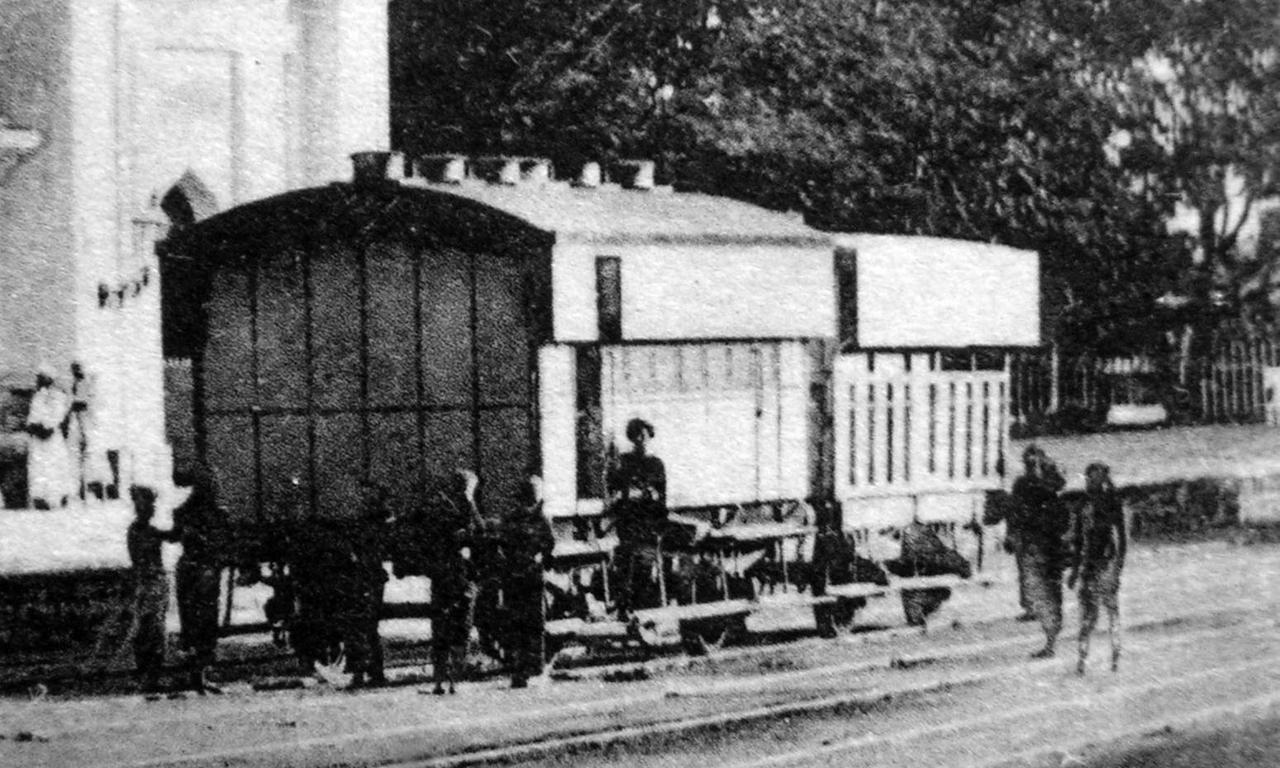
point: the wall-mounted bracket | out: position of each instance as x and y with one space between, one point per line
15 145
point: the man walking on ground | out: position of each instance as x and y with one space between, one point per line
1040 521
1100 542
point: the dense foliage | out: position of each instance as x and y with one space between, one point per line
1038 123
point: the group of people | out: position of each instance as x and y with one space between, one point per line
330 592
1049 540
333 595
64 460
475 563
198 525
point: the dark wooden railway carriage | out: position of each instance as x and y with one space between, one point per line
355 332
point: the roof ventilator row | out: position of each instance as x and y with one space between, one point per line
378 167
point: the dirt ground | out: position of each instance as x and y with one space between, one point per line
963 694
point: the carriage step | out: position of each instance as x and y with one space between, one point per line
857 589
745 533
792 599
586 630
602 547
925 582
675 614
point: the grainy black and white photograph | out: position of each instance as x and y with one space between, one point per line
717 383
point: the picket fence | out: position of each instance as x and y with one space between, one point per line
905 426
1055 392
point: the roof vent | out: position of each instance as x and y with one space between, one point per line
634 174
589 176
370 167
535 170
497 170
441 169
400 167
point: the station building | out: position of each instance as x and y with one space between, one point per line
120 119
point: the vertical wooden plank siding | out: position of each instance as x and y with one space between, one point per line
732 418
911 429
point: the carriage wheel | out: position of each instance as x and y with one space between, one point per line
845 612
704 637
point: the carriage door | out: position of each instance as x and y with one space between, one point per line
731 418
918 436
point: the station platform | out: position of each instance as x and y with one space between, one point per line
83 536
1159 456
90 536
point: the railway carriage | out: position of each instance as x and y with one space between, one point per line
482 315
921 386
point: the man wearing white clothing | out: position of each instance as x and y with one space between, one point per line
90 470
48 462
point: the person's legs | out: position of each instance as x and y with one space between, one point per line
373 640
1111 601
1044 588
1088 621
442 633
1024 599
1052 614
149 641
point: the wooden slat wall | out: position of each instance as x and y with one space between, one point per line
731 418
903 426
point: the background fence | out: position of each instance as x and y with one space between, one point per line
1052 392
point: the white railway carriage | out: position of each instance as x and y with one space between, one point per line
921 385
712 320
705 316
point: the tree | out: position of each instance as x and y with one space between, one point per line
568 79
1198 84
959 119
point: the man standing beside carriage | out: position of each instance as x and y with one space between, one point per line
527 542
452 528
360 610
199 525
150 588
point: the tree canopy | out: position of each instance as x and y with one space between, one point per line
985 119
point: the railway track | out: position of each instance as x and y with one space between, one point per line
869 702
738 704
644 720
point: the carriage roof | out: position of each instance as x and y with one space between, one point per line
611 214
480 211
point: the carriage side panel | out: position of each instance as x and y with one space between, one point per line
393 368
446 332
335 326
282 334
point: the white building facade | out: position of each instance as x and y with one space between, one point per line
120 118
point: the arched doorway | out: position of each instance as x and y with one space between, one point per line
185 203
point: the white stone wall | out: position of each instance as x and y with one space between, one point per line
37 273
237 99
